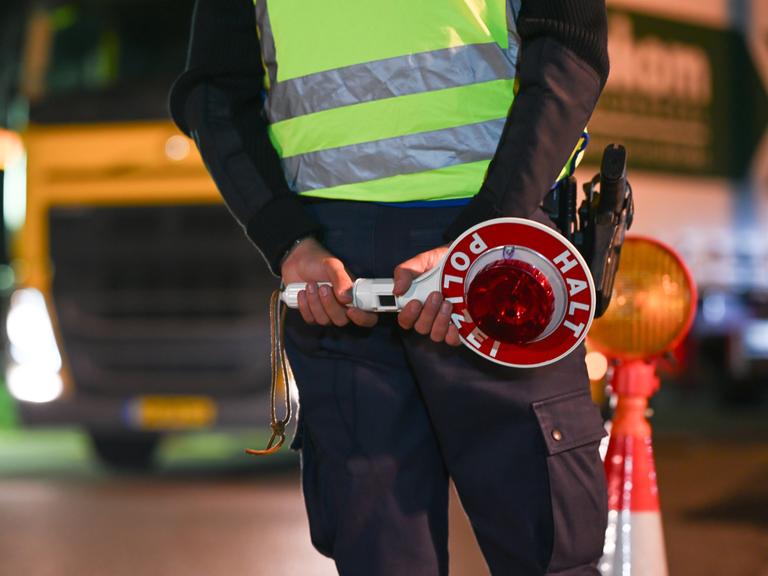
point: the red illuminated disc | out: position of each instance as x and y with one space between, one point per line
511 300
575 299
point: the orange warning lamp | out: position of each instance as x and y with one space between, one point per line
651 311
653 304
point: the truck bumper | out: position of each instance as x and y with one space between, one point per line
171 413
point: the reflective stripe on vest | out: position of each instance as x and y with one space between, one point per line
391 101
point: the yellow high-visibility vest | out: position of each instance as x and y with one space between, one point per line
388 100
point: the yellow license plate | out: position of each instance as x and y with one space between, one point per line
173 412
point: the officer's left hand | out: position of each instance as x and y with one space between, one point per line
434 316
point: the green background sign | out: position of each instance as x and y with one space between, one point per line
683 98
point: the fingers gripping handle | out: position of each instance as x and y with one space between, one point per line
374 294
290 294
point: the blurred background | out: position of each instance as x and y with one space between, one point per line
135 311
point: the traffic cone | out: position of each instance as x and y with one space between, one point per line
634 542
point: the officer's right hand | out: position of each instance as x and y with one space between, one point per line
310 262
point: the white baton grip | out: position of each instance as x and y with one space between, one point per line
374 294
290 294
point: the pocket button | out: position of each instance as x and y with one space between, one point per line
557 435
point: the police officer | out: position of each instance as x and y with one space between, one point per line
357 139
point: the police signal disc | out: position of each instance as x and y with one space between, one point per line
535 245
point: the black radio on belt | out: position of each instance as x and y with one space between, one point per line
597 227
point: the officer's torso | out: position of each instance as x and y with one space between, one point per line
387 100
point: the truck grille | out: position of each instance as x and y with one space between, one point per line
160 300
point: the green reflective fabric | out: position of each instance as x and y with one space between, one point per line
393 117
332 64
575 158
380 30
459 181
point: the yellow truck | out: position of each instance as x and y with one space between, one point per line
139 306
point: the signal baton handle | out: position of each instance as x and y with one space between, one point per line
522 294
374 294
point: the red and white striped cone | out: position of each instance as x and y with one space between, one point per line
634 541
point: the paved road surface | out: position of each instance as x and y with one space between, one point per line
61 516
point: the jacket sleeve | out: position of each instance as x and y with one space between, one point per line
562 69
218 101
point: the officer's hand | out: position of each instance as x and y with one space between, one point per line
310 262
434 316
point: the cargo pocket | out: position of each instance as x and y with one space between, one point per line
572 427
316 498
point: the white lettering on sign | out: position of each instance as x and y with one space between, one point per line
495 349
576 329
476 338
455 300
459 319
450 278
478 245
675 72
575 286
573 306
460 261
566 261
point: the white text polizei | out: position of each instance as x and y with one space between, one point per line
461 261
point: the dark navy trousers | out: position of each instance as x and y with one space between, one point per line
387 417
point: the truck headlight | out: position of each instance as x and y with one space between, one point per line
33 374
755 338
